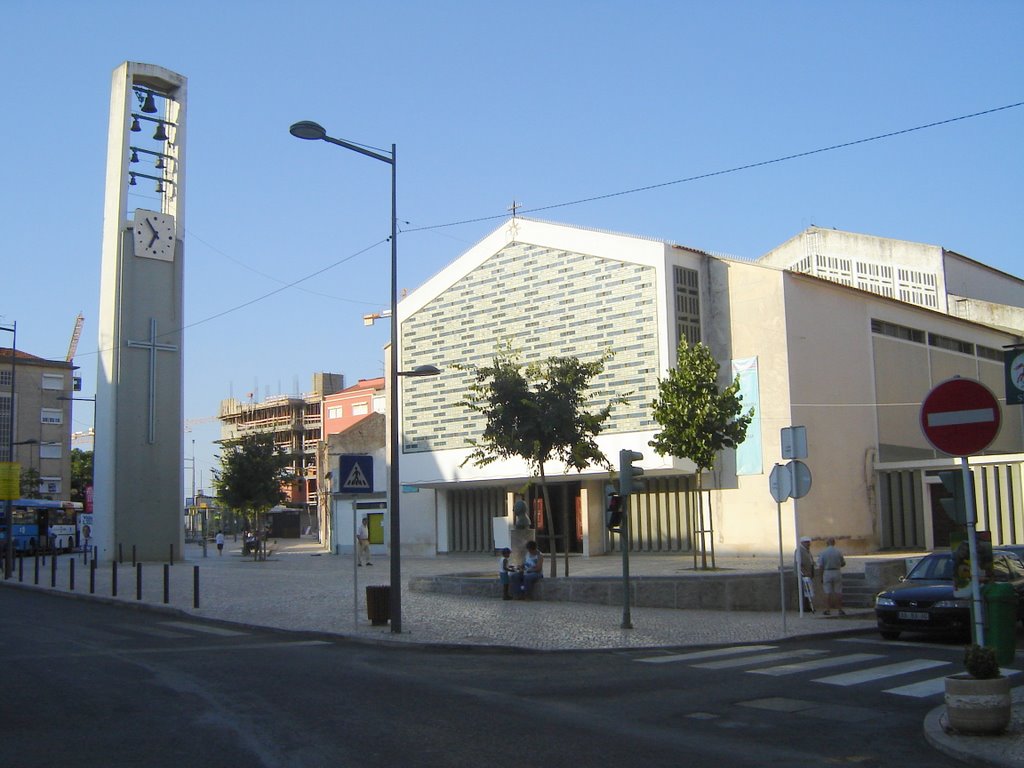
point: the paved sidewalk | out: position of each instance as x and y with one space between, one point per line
302 588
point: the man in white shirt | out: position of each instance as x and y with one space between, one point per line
363 542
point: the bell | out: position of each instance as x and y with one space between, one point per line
131 179
159 186
149 106
160 134
135 157
135 125
160 162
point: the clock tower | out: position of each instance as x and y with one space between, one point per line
138 460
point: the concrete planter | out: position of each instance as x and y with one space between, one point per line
977 706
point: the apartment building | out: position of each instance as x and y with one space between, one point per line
35 415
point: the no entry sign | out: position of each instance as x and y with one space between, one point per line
960 417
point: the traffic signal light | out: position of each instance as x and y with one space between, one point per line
614 511
629 481
954 504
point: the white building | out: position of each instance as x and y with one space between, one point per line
850 360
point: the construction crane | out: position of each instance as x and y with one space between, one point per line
75 336
189 423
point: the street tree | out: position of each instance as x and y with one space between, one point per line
81 473
537 412
29 482
252 475
697 419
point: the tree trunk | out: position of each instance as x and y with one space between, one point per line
551 521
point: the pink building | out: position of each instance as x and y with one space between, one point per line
343 409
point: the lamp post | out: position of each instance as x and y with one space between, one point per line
9 550
309 130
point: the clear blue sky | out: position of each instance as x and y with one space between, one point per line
540 102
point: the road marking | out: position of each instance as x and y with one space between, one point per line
879 673
757 658
812 664
732 650
957 649
142 629
933 686
205 628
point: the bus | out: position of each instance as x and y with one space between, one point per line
42 525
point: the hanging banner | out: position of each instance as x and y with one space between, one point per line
748 453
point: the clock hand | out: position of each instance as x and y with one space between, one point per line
152 229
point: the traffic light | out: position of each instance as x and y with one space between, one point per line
954 504
614 511
629 481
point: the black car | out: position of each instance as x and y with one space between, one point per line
924 600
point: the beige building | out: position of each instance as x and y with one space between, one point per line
849 358
37 419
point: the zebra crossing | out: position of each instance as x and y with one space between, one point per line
838 667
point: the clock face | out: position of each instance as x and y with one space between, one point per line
154 235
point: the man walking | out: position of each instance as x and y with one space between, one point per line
363 541
831 560
805 567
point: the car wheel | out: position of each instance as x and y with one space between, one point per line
889 634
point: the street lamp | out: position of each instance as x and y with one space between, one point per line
306 129
9 550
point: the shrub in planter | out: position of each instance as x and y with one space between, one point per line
978 702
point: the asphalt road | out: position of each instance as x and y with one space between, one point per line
89 684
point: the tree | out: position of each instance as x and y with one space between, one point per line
251 475
537 412
697 420
81 473
30 484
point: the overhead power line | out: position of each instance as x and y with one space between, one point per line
736 169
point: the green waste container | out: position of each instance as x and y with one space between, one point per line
1001 620
378 605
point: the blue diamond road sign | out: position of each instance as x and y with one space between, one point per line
355 474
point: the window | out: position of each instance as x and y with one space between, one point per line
955 345
49 485
5 378
50 450
51 416
989 354
897 331
360 409
53 381
335 412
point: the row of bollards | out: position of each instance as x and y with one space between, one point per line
113 575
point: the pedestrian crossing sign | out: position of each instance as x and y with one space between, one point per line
356 474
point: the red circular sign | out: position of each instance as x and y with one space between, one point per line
960 417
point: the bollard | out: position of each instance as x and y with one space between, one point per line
92 577
53 571
167 583
37 569
138 581
21 568
195 586
113 579
71 573
85 555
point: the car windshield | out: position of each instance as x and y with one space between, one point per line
933 569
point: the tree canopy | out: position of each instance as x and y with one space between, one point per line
252 473
81 473
537 412
697 419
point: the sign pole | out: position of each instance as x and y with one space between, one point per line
782 573
355 569
972 544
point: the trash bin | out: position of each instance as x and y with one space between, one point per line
1001 620
378 605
